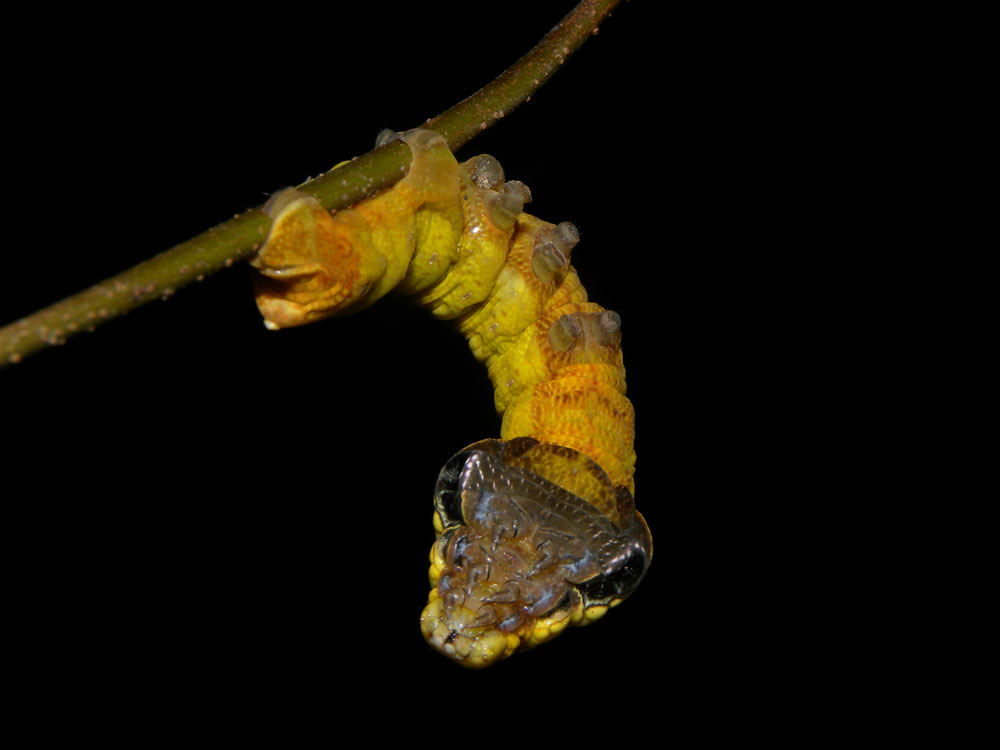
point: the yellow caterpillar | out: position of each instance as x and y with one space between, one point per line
537 530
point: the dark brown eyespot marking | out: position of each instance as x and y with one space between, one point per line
447 497
618 581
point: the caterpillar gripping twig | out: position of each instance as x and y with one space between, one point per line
537 530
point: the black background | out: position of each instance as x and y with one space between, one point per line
213 510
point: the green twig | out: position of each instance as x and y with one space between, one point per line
238 238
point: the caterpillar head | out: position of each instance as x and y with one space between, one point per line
532 537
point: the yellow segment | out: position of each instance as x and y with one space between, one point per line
597 421
481 251
517 299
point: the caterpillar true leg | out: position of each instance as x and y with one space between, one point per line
537 530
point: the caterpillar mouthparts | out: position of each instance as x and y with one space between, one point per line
521 556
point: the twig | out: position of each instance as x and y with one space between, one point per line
239 237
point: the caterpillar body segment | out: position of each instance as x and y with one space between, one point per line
537 530
314 264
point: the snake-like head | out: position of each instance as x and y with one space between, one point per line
532 537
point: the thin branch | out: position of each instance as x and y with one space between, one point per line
238 238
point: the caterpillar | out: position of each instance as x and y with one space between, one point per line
536 530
